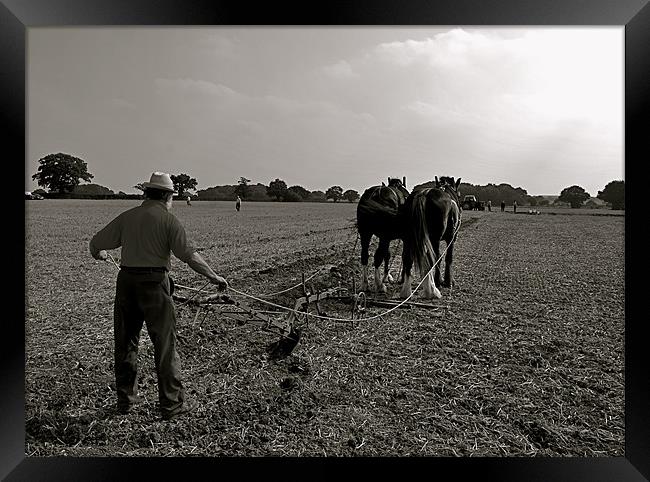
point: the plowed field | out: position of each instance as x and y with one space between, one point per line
523 357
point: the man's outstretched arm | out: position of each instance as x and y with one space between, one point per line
198 264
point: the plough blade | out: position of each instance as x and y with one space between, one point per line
284 346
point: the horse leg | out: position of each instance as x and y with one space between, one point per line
365 244
449 256
430 288
450 238
387 275
380 255
437 279
407 265
401 270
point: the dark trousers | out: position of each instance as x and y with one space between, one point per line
146 297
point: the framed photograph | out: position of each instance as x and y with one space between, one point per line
304 155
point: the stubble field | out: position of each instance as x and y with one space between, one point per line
523 357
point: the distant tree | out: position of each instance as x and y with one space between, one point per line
61 172
574 195
242 189
496 193
183 183
277 189
317 196
258 192
350 195
139 186
91 189
535 200
335 193
614 193
217 193
300 191
291 196
543 202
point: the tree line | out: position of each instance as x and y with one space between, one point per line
62 174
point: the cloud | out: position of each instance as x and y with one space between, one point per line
209 119
340 70
121 104
219 45
193 87
226 104
550 73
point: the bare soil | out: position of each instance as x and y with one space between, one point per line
523 357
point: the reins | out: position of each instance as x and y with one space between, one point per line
358 319
322 317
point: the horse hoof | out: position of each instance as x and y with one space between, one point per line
435 294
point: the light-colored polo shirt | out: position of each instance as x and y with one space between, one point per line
148 234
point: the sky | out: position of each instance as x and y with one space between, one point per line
537 108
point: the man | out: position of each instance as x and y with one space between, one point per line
148 234
489 206
238 203
514 207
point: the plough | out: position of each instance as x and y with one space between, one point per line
289 335
290 327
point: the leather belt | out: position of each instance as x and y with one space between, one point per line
143 269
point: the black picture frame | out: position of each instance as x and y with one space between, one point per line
16 16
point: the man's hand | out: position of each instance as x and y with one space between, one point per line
221 283
102 255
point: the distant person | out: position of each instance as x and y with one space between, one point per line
149 234
503 206
489 205
188 201
514 207
238 203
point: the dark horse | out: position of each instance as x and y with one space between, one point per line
431 215
378 213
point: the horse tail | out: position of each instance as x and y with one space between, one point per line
420 243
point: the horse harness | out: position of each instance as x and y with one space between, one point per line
401 197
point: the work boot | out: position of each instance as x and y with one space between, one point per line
188 406
124 408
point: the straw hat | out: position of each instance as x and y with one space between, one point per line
160 180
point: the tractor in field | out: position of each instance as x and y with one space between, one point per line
470 203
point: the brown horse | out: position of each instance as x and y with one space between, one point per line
430 215
378 213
